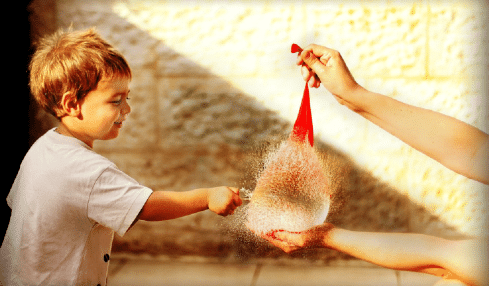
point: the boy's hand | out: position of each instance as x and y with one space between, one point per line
291 241
223 200
326 66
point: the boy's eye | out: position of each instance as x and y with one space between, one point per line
118 102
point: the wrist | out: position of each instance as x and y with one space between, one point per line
207 197
326 241
356 98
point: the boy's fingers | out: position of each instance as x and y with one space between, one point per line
236 200
229 210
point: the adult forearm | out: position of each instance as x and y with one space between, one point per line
391 250
465 260
455 144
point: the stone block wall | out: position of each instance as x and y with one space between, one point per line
215 88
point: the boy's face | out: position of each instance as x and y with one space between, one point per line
103 109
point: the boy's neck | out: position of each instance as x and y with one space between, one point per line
64 130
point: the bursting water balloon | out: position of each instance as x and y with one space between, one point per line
292 192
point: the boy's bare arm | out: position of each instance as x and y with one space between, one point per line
163 205
455 144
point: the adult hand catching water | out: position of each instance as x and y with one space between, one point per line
316 237
400 251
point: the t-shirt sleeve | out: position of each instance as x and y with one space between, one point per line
116 200
13 192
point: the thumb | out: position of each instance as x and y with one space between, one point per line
286 236
313 62
234 190
280 235
237 200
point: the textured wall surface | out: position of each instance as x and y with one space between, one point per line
215 85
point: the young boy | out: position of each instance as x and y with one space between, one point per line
453 143
67 201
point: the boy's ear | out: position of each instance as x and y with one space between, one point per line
70 104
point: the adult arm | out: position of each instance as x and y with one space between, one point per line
464 260
453 143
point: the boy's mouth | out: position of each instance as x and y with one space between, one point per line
121 120
119 123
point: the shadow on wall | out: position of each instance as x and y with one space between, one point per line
190 128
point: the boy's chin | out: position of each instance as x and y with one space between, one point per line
112 135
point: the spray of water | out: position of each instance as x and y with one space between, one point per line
291 192
288 187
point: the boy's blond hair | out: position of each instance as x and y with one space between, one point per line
72 62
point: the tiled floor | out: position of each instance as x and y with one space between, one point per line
150 272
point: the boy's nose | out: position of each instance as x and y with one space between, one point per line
126 109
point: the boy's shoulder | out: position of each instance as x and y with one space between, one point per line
54 148
56 163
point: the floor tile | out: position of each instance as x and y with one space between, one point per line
338 276
150 273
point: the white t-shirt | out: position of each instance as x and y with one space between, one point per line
66 203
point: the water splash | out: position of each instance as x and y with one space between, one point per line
291 193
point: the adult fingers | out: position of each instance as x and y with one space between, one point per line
318 51
306 73
313 62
